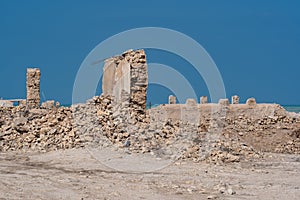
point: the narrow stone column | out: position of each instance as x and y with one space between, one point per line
203 100
33 88
235 99
172 99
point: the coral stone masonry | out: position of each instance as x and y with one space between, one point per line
33 87
125 78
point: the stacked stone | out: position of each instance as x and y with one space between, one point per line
138 82
251 102
33 87
172 99
203 100
235 99
224 102
37 129
127 74
98 123
123 121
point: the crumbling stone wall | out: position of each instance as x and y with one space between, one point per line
118 117
172 99
33 87
125 78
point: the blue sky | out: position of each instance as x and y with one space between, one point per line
255 44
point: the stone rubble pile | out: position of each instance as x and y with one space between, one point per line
175 139
37 129
100 122
118 118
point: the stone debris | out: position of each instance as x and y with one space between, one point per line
191 102
37 129
216 133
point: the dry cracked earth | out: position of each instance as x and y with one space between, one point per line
81 174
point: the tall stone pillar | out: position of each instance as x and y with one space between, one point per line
33 88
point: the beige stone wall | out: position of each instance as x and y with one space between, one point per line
108 79
125 77
33 87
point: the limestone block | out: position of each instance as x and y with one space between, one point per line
235 99
191 102
203 100
48 104
125 77
251 102
33 87
172 99
5 103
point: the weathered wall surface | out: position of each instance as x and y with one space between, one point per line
182 111
125 78
5 103
33 87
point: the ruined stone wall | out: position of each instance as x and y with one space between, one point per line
125 78
138 80
33 87
118 117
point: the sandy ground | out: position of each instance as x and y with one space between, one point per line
79 174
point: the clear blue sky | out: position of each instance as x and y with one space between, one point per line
255 44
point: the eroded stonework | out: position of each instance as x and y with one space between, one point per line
125 78
33 87
118 117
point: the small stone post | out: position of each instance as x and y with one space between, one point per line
33 88
251 102
235 99
191 102
172 99
203 100
224 102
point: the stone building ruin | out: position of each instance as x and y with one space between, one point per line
119 117
125 78
33 88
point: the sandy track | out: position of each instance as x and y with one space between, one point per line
75 174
